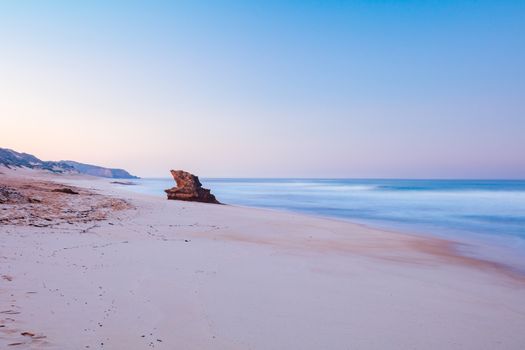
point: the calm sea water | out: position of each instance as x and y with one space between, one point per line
488 211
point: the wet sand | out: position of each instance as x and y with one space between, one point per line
103 268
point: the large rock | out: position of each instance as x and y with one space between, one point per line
189 188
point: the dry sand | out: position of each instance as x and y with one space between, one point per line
109 269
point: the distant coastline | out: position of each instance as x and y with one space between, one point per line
10 158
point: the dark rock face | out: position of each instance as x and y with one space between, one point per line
65 190
189 188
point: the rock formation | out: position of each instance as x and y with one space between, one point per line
189 188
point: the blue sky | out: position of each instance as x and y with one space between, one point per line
268 88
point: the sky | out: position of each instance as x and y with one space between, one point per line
389 89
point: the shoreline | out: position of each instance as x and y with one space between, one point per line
200 276
429 243
452 246
490 242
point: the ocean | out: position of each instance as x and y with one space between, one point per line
488 214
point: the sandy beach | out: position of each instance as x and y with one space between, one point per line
86 264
